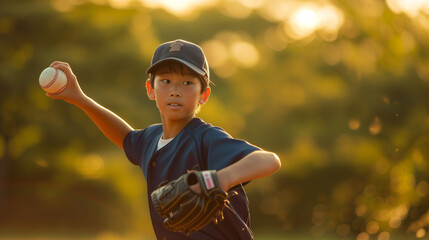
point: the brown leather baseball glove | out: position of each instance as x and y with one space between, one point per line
185 210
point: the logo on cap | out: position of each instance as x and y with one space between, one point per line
175 47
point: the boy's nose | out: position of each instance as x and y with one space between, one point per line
174 94
175 91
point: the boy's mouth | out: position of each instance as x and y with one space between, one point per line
174 104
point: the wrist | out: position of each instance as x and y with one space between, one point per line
225 179
82 101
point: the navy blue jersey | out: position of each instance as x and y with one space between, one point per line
199 146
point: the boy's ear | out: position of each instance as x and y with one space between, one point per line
205 96
150 92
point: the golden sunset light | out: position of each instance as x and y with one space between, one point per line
318 108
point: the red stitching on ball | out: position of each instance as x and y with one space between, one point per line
52 81
60 90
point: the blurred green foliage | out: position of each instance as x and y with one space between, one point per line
347 112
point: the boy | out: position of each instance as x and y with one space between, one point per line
179 84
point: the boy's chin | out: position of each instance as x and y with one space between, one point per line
178 117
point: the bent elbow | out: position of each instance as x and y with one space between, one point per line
277 164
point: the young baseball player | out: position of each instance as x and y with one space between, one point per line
182 145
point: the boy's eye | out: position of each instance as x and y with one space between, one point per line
188 83
165 81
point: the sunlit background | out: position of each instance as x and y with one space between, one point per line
338 89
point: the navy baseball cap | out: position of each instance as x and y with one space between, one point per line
182 51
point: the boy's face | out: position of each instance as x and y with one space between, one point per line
177 95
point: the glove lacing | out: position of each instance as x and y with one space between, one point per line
226 203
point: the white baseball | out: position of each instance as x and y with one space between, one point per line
53 80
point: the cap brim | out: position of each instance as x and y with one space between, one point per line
188 64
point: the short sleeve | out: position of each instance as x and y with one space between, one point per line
132 146
221 150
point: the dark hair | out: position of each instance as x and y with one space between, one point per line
179 68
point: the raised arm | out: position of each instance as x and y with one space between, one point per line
112 126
